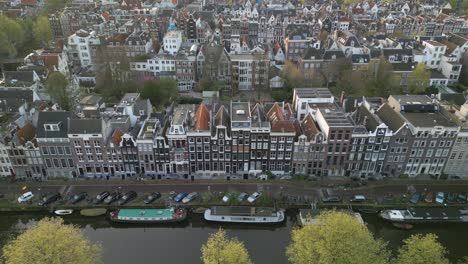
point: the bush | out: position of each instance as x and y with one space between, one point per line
280 95
403 176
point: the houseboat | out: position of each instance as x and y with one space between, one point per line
425 215
148 216
310 216
239 214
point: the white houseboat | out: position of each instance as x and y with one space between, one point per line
239 214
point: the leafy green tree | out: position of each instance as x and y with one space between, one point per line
42 31
418 80
160 92
221 250
381 80
51 241
337 238
422 249
55 5
11 36
56 86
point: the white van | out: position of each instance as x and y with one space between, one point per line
25 197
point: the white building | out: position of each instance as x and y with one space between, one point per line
433 53
172 41
79 47
302 97
451 68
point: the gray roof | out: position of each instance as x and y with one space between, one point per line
313 92
60 118
12 98
363 117
390 117
429 119
20 76
85 126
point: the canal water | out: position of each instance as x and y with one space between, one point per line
181 243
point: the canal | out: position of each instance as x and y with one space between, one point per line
181 243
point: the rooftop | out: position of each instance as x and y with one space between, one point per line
428 119
334 116
313 92
180 114
240 111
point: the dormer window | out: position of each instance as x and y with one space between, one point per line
52 127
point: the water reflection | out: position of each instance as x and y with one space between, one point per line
181 242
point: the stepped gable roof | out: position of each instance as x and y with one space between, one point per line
202 117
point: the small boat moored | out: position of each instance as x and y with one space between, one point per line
148 216
63 212
239 214
93 212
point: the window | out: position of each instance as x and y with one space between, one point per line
45 151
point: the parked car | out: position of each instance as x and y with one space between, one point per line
127 197
152 197
429 197
461 198
101 197
452 197
242 197
331 199
416 197
49 198
179 197
252 198
358 198
25 197
190 197
440 198
115 196
77 197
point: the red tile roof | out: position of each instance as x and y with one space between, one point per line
202 118
276 113
117 136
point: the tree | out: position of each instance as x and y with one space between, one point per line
422 249
11 36
381 80
221 250
418 80
55 5
56 86
336 238
159 92
42 31
51 241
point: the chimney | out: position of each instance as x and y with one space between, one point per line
342 97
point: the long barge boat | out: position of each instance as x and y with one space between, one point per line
148 216
239 214
425 215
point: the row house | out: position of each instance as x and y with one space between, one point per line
52 139
259 139
24 154
177 139
138 43
282 137
430 135
309 148
369 143
241 124
249 71
199 141
457 163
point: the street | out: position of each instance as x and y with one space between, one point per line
272 188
